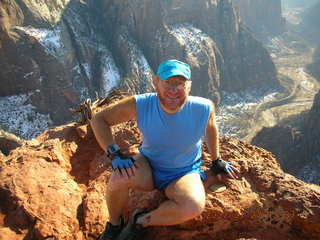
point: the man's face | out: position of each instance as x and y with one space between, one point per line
172 92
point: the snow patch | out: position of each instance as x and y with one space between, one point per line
138 63
110 75
20 118
237 108
50 39
28 74
87 69
190 37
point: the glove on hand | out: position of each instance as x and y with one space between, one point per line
122 161
221 166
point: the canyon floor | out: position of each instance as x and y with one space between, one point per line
291 54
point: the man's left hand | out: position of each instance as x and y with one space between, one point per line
220 166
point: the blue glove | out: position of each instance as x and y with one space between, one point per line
122 161
221 166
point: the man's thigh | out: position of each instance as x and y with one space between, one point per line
188 187
143 179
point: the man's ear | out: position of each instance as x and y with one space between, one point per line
155 80
189 85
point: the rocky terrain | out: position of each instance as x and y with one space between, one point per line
61 52
54 54
53 187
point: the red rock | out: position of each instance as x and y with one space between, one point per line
56 187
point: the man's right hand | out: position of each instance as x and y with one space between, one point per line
124 165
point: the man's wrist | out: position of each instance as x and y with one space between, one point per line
218 166
216 159
113 150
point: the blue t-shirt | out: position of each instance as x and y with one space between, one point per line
172 140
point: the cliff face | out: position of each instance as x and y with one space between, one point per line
312 33
64 51
296 147
54 187
261 16
314 67
299 3
46 47
309 25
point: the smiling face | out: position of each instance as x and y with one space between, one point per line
172 92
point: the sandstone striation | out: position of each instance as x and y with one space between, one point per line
54 187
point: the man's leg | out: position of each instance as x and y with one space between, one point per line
186 201
118 187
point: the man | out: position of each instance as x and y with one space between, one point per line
173 125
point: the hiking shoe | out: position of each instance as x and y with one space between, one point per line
133 230
111 232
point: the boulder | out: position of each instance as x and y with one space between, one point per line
8 142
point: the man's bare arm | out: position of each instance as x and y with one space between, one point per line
212 139
101 122
212 135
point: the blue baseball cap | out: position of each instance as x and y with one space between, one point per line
172 68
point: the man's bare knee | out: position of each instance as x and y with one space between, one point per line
116 183
193 207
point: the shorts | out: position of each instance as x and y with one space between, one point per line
163 177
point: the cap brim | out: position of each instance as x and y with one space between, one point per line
173 73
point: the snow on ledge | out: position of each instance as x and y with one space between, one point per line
50 39
20 118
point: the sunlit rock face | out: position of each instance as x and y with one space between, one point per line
65 51
297 148
261 16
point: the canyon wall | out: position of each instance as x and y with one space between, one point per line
261 16
311 31
298 3
65 51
